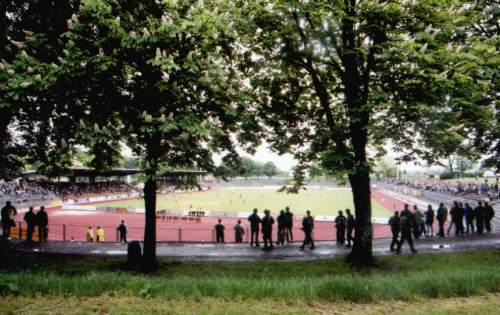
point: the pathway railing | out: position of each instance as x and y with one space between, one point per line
77 233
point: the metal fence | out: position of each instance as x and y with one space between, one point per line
77 233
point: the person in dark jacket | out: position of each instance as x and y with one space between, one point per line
239 231
469 218
7 214
351 222
456 213
441 216
429 221
122 231
267 229
219 231
406 211
395 224
480 212
340 224
30 219
282 227
461 214
289 236
42 220
255 221
307 227
407 223
489 215
417 222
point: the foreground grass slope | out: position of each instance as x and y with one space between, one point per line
396 278
326 202
115 304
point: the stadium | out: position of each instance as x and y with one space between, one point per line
198 157
189 215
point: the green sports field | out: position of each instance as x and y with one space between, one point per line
325 202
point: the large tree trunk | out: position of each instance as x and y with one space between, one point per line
149 257
356 96
451 161
361 253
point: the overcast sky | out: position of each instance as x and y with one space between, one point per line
287 162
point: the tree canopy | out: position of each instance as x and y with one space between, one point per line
335 80
158 77
330 82
247 167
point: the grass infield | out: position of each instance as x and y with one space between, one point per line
325 202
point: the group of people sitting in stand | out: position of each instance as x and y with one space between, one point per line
463 219
40 220
17 188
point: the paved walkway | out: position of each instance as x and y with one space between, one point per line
243 252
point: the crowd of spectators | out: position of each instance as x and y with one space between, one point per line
485 189
23 190
19 188
70 190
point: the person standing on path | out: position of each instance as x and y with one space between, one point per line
42 220
307 227
282 228
351 222
7 219
489 215
122 231
429 221
267 229
289 236
456 217
90 235
407 223
239 231
395 224
469 218
219 231
417 220
441 216
255 221
99 235
480 213
340 224
30 219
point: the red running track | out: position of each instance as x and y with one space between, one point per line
77 222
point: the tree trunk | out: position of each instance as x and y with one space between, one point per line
451 161
361 253
149 256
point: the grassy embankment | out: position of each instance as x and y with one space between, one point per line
78 285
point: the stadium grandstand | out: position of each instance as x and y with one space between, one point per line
484 189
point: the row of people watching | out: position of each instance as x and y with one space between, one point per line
284 233
39 220
463 219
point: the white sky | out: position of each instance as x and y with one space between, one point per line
287 162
